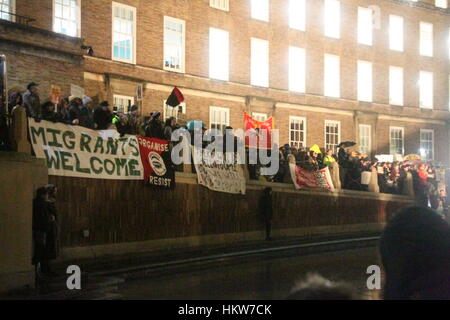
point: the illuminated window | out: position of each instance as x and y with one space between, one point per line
441 4
6 8
260 62
170 111
297 10
219 118
174 44
395 33
332 18
332 76
260 10
396 86
426 39
66 17
365 26
396 140
124 32
365 81
332 134
426 89
218 54
365 138
220 4
297 132
259 116
427 144
122 103
296 69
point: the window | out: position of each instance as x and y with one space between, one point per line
365 81
396 140
441 4
332 18
296 69
426 89
365 138
332 134
66 17
260 62
365 26
219 118
220 4
396 86
174 32
427 144
395 33
124 33
426 39
122 102
297 132
260 10
218 54
297 14
7 7
170 111
332 76
259 116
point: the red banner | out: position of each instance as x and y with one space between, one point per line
312 179
155 156
259 133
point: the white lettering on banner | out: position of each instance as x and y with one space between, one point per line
216 174
75 151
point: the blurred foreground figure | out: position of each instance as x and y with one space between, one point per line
315 287
415 251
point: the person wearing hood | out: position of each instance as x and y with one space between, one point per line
415 252
31 101
103 116
155 127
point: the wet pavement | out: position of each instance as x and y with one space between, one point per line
263 277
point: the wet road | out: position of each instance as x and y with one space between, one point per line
264 277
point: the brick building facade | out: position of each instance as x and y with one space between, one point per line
145 31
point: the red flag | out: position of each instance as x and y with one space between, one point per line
175 98
259 133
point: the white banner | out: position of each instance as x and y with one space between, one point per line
215 175
74 151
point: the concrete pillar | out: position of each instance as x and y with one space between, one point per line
373 185
334 172
19 131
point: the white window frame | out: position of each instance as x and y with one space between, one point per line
298 143
329 145
421 89
223 5
254 14
297 78
441 4
255 66
118 4
366 39
297 14
426 45
392 89
258 116
212 110
223 60
329 14
12 6
120 96
165 110
78 18
394 43
362 148
432 143
329 78
362 82
390 139
183 45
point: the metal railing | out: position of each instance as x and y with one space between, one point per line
9 16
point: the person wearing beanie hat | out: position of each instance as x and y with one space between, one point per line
133 120
155 127
86 101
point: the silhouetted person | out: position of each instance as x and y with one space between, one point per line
415 252
266 210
